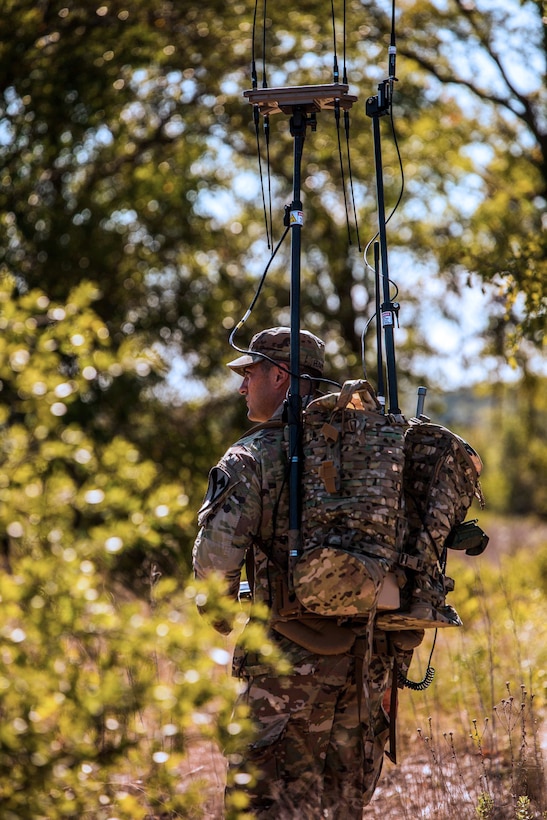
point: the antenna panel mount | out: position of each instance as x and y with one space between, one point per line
311 98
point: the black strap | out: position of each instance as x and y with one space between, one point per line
359 650
393 705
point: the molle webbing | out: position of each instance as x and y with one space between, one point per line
440 481
352 478
352 502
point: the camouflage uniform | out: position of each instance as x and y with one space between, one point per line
317 746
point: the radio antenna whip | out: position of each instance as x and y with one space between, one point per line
256 120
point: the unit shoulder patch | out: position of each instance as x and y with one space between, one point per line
220 482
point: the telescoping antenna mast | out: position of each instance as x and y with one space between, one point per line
302 103
376 107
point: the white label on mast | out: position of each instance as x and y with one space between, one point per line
297 217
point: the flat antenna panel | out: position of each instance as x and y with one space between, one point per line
311 98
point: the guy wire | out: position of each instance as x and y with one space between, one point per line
256 118
350 173
346 129
337 118
267 128
336 73
264 80
336 79
268 170
254 78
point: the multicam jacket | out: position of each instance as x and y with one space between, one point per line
246 507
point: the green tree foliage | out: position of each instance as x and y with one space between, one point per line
98 696
517 455
56 477
128 158
98 687
507 424
489 62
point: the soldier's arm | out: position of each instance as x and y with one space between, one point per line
228 519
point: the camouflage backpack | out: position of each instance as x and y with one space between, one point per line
353 518
441 478
382 499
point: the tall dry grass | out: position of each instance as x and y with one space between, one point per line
474 743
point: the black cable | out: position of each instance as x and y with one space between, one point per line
346 129
244 318
256 119
254 77
264 80
345 73
335 72
337 119
401 192
419 686
336 79
248 312
400 159
268 169
267 133
350 173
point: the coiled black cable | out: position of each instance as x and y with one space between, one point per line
419 686
416 686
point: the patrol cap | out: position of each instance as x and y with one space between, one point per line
275 343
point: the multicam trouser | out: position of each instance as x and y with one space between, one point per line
318 751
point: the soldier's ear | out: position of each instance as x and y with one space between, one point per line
281 376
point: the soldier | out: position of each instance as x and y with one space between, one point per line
321 729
